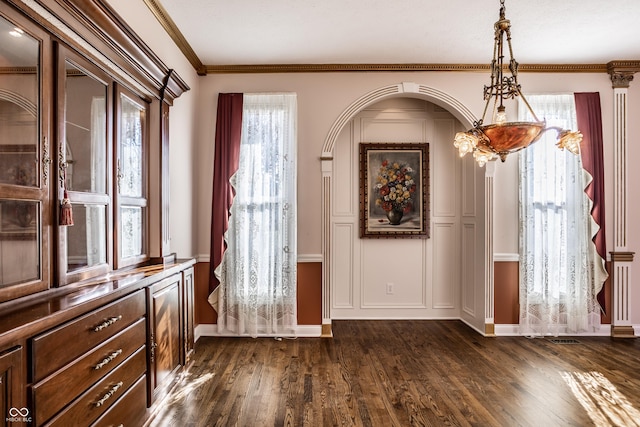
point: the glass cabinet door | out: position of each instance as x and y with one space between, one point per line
24 161
131 182
82 167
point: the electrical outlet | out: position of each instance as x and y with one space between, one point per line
389 288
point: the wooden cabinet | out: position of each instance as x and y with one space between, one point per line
102 355
13 408
106 353
96 318
165 334
79 99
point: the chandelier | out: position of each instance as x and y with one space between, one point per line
500 138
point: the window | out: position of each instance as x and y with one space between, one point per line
258 271
556 275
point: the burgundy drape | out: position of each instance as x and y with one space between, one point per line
226 161
589 118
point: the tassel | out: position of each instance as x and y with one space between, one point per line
66 210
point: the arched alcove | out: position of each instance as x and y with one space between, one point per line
477 318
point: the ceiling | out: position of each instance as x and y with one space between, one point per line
224 32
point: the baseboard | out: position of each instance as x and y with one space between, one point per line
301 331
514 330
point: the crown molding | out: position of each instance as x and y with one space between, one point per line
171 28
623 66
338 68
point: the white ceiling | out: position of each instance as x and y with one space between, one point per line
234 32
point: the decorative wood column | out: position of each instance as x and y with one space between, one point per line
489 321
621 259
327 171
172 87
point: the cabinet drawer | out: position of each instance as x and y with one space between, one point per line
129 410
80 374
56 348
95 401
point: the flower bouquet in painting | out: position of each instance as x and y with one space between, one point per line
395 188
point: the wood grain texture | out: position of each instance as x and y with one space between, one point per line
407 373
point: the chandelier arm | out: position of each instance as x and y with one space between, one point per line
486 107
524 99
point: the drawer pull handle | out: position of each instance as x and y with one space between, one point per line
110 321
110 393
109 359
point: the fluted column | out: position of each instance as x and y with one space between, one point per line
489 321
621 258
327 171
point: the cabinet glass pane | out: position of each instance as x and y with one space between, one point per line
86 239
85 132
131 231
19 241
19 106
131 152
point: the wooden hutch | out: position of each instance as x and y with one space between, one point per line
96 313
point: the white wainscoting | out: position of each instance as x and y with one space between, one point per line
405 278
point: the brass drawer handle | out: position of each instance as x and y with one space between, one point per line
110 393
107 323
109 359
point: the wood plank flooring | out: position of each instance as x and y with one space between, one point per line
408 373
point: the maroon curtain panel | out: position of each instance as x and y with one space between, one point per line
225 164
589 118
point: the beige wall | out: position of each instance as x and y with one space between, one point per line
322 97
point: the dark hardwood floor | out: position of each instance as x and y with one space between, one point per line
408 373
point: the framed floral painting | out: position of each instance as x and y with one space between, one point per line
394 190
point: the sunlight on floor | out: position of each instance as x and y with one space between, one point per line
604 403
187 386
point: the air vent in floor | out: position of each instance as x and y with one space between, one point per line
564 341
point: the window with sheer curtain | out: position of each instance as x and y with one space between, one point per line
257 293
558 282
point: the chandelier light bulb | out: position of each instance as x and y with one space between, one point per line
465 143
482 157
501 116
570 140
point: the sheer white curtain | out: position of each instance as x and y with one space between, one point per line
257 293
559 281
